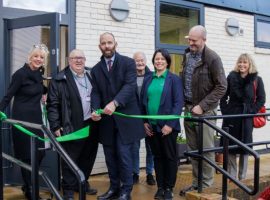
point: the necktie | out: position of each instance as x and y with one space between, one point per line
110 65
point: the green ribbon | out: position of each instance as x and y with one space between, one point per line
79 134
160 117
84 132
2 116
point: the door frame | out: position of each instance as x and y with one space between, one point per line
53 21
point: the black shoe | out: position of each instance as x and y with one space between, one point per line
159 194
187 189
135 178
150 179
109 195
124 197
27 191
68 195
90 190
168 195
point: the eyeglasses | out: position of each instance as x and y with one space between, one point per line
77 58
41 46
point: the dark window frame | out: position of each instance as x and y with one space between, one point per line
67 19
180 49
259 18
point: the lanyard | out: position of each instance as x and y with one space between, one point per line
84 86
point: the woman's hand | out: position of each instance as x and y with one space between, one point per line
166 130
148 129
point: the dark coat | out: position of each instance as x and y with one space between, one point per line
27 88
120 85
241 101
208 80
171 101
64 102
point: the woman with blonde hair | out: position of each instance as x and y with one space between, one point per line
240 98
27 89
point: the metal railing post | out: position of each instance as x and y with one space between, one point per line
225 165
200 159
1 161
34 166
79 174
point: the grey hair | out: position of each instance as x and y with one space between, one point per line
140 53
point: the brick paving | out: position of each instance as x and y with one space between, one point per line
142 191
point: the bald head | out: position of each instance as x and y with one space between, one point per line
106 34
197 38
107 44
198 30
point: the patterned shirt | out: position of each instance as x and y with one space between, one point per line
192 60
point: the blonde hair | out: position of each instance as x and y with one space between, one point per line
252 67
39 47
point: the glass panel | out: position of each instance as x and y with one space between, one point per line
263 32
63 47
175 23
22 41
40 5
176 65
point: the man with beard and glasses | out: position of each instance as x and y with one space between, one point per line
204 84
114 89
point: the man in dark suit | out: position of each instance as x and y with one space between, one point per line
114 89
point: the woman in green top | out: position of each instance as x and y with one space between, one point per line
162 94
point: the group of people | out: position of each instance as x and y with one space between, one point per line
126 85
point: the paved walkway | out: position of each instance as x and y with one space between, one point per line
142 191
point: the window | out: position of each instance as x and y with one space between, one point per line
41 5
173 21
262 31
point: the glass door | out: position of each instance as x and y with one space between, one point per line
21 34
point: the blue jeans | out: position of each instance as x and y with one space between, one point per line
136 157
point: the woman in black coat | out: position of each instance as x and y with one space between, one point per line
240 99
27 89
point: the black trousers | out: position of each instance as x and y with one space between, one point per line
26 174
83 153
165 158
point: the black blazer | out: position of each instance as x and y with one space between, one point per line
120 85
171 101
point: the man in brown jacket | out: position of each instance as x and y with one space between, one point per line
204 84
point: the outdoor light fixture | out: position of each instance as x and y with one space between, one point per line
119 10
232 26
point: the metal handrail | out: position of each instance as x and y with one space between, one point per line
41 173
59 149
199 153
79 174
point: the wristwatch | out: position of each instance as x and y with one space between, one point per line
116 104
